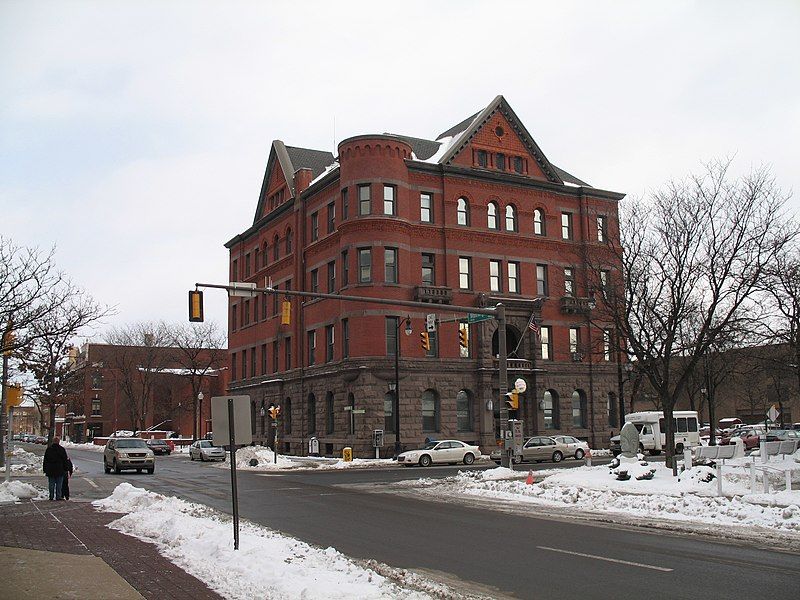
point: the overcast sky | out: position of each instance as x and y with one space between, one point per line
134 135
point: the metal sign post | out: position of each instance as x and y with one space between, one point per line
234 491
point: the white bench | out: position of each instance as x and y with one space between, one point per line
715 452
784 447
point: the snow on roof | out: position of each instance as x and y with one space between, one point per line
325 171
208 373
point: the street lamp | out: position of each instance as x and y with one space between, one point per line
628 367
200 415
396 399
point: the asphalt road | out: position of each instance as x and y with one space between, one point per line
488 551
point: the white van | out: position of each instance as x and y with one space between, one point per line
651 429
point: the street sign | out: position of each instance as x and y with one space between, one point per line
773 413
242 289
241 415
520 385
473 318
430 322
359 411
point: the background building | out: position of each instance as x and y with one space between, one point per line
476 217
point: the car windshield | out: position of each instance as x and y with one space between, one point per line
157 443
205 444
639 427
131 444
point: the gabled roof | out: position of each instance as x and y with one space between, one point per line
305 158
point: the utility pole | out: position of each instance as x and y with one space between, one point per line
5 451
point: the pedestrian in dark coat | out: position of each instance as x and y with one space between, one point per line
55 466
67 477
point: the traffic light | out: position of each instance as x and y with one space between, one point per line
286 313
8 342
13 395
425 341
274 411
512 399
196 306
463 337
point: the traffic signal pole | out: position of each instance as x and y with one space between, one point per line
498 312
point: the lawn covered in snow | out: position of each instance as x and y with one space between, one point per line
267 564
12 491
24 462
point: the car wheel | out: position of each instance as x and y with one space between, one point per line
202 458
117 470
469 458
425 461
516 459
191 456
557 456
579 454
106 468
655 452
151 471
139 471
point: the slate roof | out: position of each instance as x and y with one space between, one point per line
569 178
306 158
423 149
458 128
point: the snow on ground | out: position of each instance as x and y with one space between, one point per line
690 498
12 491
24 462
265 458
267 564
88 446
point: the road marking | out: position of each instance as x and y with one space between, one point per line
289 488
605 558
92 483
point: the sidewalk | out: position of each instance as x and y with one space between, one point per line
64 550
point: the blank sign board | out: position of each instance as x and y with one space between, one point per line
241 420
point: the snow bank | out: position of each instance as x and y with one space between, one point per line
88 446
23 461
265 461
267 564
12 491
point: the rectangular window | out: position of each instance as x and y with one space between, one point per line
312 347
601 228
500 161
246 313
331 277
604 279
426 207
365 265
264 305
331 217
566 226
518 164
483 159
428 269
287 353
315 280
465 273
275 301
233 367
263 359
247 265
494 275
392 324
569 281
314 227
547 342
541 280
244 364
330 340
255 309
574 340
345 269
389 193
364 200
606 345
345 205
253 361
390 265
96 407
463 351
275 356
234 325
235 271
345 338
513 277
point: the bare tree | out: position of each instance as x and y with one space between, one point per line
45 356
692 256
137 361
199 350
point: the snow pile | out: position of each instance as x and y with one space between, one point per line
267 564
23 461
87 446
12 491
265 461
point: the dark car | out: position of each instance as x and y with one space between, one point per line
159 446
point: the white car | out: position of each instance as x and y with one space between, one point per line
444 451
204 450
575 447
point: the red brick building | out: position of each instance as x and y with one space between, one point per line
476 217
101 405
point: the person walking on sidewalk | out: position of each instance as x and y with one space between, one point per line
67 477
54 466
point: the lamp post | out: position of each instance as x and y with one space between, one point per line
396 399
200 415
628 368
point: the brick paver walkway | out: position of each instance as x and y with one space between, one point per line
77 528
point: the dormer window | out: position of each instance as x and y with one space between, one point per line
482 158
500 161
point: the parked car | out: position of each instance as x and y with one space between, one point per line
781 435
127 454
575 447
159 446
751 436
204 450
444 451
171 444
538 449
40 439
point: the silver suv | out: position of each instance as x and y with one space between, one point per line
128 453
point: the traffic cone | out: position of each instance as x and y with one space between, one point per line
529 480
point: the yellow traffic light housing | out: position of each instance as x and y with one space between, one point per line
274 411
463 336
286 313
512 400
195 306
425 341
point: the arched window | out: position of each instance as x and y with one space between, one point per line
265 255
330 421
464 410
512 341
287 415
312 414
276 251
388 411
430 411
492 216
551 410
288 241
511 218
463 212
538 222
579 409
351 425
